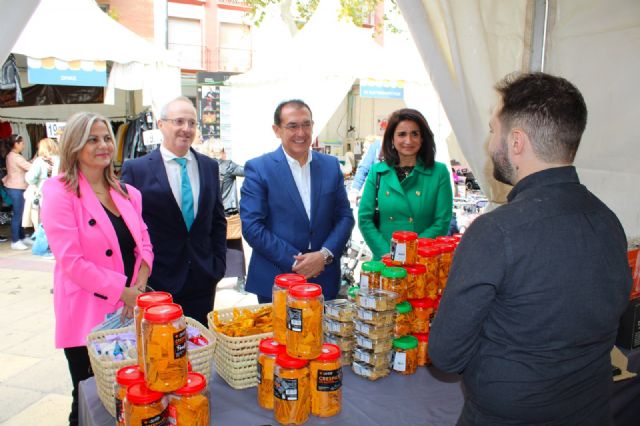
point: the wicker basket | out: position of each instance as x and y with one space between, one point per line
105 369
236 357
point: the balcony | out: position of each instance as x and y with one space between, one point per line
234 4
234 59
191 56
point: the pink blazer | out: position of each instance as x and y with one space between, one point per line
89 273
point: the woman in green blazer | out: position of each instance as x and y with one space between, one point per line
414 191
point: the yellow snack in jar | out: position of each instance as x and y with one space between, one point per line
326 382
125 377
405 358
416 281
423 310
143 301
267 352
404 246
291 390
430 257
189 405
143 406
281 285
305 306
394 279
423 349
370 274
446 258
164 346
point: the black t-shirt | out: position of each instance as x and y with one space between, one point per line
126 242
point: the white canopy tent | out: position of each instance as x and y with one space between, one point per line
469 45
319 65
79 30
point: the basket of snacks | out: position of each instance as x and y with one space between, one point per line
110 350
238 332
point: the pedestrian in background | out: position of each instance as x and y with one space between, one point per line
15 185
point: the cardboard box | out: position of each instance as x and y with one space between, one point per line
629 329
634 263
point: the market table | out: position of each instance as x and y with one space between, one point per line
428 397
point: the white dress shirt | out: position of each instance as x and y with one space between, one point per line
302 178
173 174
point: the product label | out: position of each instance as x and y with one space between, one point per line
362 327
367 302
329 380
364 356
119 411
365 315
333 327
400 361
259 373
364 282
294 319
360 370
172 415
331 311
399 251
180 344
159 420
364 342
285 389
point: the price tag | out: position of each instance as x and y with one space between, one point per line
55 128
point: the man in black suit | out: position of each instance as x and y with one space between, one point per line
181 205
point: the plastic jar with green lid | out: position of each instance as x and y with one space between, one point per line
352 292
404 319
405 357
370 274
394 279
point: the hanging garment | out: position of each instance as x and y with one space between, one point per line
10 78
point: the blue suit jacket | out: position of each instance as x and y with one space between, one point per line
276 226
197 255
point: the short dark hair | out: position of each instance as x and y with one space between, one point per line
277 120
549 109
427 152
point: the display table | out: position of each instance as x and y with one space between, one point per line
428 397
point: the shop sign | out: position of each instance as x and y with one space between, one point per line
381 89
68 73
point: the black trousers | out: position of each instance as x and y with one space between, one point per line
80 369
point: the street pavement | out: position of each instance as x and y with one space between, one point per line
35 387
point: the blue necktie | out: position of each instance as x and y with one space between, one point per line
187 194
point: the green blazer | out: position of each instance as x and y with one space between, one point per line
422 203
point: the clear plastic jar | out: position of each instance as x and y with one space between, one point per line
377 360
281 285
352 292
416 281
383 344
326 382
345 344
405 357
125 377
369 371
423 349
404 319
380 318
429 256
370 274
339 310
394 279
404 246
189 405
164 345
423 310
337 328
143 301
291 390
268 349
374 331
377 300
305 306
446 257
143 406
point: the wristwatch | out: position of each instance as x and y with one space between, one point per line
328 256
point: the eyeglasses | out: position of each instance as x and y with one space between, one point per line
180 122
295 126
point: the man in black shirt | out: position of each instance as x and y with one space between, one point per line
537 287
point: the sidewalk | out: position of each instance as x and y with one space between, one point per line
35 387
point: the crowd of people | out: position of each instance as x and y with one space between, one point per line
535 292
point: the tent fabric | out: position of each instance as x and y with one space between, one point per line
469 46
12 23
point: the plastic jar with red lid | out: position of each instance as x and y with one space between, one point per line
125 377
423 310
268 349
281 285
291 390
404 246
143 406
446 257
416 281
143 301
305 307
423 349
189 405
326 382
429 256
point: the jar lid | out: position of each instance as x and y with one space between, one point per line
405 342
329 352
429 251
445 239
447 247
353 290
386 259
422 303
436 302
404 236
286 361
404 307
139 393
196 383
145 300
416 269
129 375
270 346
422 337
287 280
163 313
373 266
458 237
394 272
424 242
307 290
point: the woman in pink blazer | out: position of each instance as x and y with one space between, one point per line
96 233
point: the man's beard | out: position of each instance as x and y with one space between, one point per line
502 168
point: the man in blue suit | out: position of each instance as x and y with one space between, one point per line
294 208
181 205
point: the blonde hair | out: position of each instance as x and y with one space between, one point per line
47 147
73 140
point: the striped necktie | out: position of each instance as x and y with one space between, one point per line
186 204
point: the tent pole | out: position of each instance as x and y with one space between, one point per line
539 34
